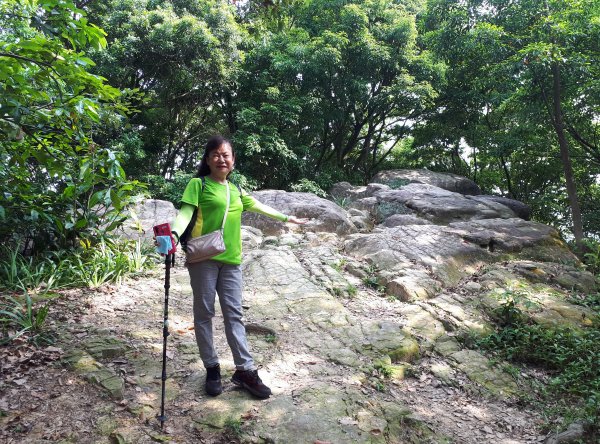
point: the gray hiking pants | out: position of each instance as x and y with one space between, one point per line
206 278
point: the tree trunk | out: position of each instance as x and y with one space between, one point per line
229 112
475 166
559 127
511 194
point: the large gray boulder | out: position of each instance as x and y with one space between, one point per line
510 235
404 219
446 181
425 203
146 214
442 254
521 209
344 191
437 205
324 214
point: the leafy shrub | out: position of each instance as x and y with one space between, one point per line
86 197
171 190
509 312
591 257
308 186
571 354
332 174
56 183
587 300
243 181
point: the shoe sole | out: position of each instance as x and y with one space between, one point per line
251 390
213 394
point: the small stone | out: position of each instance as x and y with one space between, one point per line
473 286
347 421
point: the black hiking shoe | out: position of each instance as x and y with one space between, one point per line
250 380
213 386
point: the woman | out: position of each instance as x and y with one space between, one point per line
221 274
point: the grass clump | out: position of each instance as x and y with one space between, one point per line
351 290
19 317
233 428
271 338
384 369
342 202
87 266
339 265
570 355
371 280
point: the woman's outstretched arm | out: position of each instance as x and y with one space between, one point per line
253 205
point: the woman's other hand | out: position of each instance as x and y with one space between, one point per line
298 220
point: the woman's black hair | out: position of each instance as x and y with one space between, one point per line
213 144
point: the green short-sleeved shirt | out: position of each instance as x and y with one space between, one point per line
211 205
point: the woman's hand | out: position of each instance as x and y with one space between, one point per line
298 220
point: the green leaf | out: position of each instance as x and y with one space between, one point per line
96 198
81 223
115 198
69 192
116 224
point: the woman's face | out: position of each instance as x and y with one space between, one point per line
220 161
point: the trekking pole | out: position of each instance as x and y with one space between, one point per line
169 262
165 245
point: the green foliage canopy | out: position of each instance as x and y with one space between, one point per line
520 76
334 91
55 182
181 60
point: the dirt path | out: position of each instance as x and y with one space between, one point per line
325 386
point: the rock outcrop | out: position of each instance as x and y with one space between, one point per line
446 181
325 215
422 203
358 319
146 214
